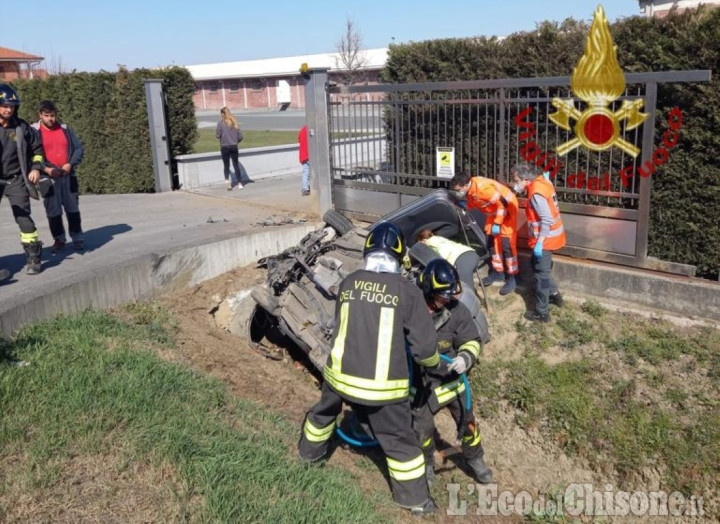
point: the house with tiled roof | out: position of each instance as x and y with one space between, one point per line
16 64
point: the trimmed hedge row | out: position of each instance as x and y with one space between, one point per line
685 193
108 112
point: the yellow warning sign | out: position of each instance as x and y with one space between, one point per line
445 162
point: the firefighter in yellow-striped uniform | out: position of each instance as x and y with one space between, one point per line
21 157
378 314
458 338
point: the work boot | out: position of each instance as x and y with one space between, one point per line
509 286
483 474
33 254
537 317
557 299
4 275
58 246
428 508
493 277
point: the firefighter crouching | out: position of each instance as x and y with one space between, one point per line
377 313
458 338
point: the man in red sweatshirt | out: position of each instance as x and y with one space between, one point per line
63 151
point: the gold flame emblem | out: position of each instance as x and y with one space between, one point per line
598 80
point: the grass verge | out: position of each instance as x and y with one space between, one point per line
207 143
94 386
630 394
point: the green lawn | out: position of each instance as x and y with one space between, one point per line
95 387
207 143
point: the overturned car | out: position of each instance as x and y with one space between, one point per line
299 295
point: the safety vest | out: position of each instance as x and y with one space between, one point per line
556 236
376 314
491 197
447 249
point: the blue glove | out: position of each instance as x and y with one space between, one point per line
537 252
495 230
546 174
462 204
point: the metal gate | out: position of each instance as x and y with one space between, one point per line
382 141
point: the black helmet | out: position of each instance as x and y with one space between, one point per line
8 96
440 278
387 238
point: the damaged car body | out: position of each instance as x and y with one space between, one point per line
302 283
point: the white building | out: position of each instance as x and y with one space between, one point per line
272 83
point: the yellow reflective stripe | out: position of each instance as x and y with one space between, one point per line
447 392
473 347
315 434
28 238
410 470
431 361
472 440
427 442
339 347
37 158
384 343
366 389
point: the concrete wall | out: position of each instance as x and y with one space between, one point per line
206 169
146 275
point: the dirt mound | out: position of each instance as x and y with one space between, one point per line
522 459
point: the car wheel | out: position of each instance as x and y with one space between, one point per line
338 221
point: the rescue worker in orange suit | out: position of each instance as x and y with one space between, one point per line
21 157
378 313
500 206
458 338
545 235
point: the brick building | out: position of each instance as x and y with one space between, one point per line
16 64
273 83
660 8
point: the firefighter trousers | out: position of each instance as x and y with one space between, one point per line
470 439
392 426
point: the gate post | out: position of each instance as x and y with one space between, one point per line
317 118
159 136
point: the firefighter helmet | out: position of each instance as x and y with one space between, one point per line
8 96
387 238
440 278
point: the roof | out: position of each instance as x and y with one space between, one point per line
7 54
285 66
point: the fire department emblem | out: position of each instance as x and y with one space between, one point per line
598 81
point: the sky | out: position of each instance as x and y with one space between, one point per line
94 35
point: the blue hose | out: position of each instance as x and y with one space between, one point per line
368 443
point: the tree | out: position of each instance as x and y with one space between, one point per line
350 60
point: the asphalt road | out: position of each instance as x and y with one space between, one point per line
258 120
290 120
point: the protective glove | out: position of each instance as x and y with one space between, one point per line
495 230
460 364
538 250
462 204
546 174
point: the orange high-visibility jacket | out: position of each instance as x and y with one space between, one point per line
495 200
556 237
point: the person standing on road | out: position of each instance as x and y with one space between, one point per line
304 160
229 134
500 206
458 338
63 151
545 235
378 313
21 156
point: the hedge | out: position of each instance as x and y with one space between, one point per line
685 192
108 112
